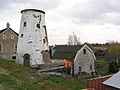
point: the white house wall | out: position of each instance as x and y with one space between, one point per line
84 60
32 40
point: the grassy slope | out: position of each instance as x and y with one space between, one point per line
17 77
68 83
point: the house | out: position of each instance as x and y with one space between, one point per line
64 51
84 60
33 49
82 55
112 83
8 43
100 50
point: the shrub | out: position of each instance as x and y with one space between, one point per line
113 67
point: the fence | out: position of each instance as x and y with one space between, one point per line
96 83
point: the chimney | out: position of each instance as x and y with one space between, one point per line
8 25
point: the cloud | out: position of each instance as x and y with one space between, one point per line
5 3
113 18
10 9
38 4
94 11
91 20
99 33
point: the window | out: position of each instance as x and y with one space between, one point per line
34 16
90 67
13 57
4 36
79 68
44 27
12 36
1 47
43 40
25 24
21 35
84 51
38 25
15 47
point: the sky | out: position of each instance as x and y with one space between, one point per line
93 21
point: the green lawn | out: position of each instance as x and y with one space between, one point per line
67 83
18 77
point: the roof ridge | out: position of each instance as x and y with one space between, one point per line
1 31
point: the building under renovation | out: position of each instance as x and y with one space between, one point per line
84 60
32 45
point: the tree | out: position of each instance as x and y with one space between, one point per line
73 40
113 67
114 50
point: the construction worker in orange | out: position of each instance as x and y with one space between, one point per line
65 63
69 67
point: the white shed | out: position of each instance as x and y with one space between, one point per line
84 60
33 41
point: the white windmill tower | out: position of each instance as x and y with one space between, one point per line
32 48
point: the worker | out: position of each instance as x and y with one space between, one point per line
65 63
69 67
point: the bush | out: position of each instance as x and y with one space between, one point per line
113 67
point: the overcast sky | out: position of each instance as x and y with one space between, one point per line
94 21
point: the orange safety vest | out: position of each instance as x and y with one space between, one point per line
65 63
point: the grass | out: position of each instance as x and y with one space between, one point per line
18 77
67 83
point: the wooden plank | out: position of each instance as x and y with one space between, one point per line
50 69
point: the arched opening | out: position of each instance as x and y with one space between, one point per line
26 60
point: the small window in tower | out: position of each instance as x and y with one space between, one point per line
79 68
84 51
21 35
43 40
24 24
38 25
90 67
34 16
44 27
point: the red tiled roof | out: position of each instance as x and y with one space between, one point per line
100 47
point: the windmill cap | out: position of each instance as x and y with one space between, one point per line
36 10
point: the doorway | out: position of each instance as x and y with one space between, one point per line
26 60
